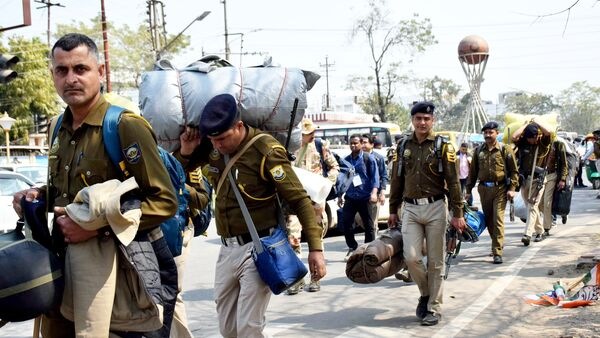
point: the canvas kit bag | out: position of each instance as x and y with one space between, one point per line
32 281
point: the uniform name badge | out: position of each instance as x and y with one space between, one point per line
356 181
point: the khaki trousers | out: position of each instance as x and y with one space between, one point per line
546 205
179 327
493 203
241 295
534 221
426 222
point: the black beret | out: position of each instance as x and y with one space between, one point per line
219 114
424 107
532 130
490 125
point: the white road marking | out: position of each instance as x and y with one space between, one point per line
469 314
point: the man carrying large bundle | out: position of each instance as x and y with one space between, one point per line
534 143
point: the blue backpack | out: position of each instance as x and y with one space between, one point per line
173 227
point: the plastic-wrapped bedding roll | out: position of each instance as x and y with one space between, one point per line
171 99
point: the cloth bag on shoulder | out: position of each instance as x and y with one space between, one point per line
275 260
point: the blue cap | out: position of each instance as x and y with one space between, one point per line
219 115
532 130
490 125
424 107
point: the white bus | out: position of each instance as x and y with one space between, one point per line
338 135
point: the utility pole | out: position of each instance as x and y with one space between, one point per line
47 4
106 55
156 22
224 2
326 65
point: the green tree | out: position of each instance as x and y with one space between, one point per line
31 96
383 38
536 104
130 50
580 107
444 93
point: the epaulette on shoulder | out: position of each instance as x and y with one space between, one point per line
266 145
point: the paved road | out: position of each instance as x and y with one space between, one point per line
480 299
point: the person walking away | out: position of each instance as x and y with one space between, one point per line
421 171
464 161
77 159
533 146
495 168
580 145
367 146
361 193
556 178
263 173
324 163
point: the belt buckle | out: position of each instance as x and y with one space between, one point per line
229 241
422 201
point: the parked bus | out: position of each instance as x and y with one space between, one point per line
338 135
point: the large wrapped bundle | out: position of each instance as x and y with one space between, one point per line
374 261
171 99
513 121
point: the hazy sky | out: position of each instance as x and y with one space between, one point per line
525 53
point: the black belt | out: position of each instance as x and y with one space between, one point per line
246 238
491 183
424 200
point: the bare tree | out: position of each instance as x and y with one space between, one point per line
383 38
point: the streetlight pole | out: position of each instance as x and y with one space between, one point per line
6 122
226 33
166 47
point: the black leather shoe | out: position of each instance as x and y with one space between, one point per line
497 259
564 219
431 319
526 240
546 232
422 307
539 237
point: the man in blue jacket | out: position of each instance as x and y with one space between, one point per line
361 193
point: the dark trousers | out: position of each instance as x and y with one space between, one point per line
463 190
351 207
578 178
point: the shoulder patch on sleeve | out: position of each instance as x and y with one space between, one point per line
450 153
133 153
278 173
196 175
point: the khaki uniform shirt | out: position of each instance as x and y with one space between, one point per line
557 162
307 157
261 172
490 166
420 177
77 159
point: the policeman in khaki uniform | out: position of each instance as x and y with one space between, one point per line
491 163
421 186
308 157
262 171
534 143
77 159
